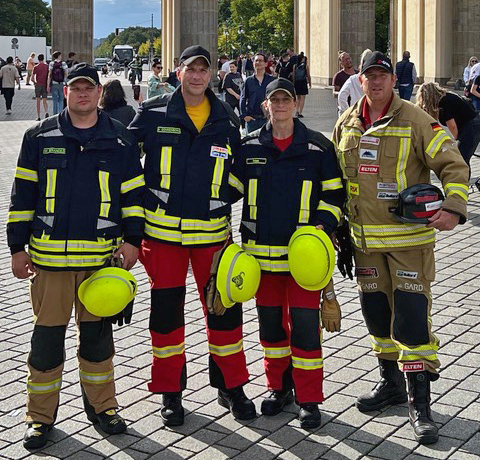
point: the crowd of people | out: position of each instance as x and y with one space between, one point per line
368 189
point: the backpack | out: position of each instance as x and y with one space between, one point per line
301 72
58 74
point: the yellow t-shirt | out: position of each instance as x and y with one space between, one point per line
199 113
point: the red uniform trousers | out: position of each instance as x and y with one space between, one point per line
290 334
167 267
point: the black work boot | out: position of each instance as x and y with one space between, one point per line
309 416
424 428
237 403
276 401
389 390
110 422
172 412
36 435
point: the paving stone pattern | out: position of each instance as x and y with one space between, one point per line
210 432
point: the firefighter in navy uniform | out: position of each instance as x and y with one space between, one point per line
385 146
77 197
289 178
189 138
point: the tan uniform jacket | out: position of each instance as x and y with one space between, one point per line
397 151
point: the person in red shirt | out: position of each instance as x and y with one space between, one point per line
39 78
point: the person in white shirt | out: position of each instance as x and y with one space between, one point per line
466 73
474 71
352 91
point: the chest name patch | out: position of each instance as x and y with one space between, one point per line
370 140
387 196
387 186
168 130
256 161
368 169
55 150
368 154
218 152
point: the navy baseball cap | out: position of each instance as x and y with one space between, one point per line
194 52
280 84
378 59
83 71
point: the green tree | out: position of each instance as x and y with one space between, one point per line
133 36
20 15
382 25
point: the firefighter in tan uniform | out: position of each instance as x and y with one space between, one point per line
385 145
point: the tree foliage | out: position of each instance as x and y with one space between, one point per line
144 48
133 36
254 25
382 25
20 15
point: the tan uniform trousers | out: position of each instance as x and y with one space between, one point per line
396 300
53 295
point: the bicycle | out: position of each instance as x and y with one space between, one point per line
114 68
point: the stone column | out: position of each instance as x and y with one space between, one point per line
357 27
72 28
466 36
414 35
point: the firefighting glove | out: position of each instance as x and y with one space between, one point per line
345 251
213 300
330 309
124 317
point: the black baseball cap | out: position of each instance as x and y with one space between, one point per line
194 52
280 84
378 59
83 71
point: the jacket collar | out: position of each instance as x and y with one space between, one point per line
105 127
300 137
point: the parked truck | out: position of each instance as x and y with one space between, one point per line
22 46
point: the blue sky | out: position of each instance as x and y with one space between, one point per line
110 14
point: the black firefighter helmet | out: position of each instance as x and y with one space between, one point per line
419 202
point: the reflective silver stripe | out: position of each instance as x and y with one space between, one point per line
406 354
166 352
71 244
253 141
162 195
204 225
273 266
73 261
132 184
158 109
20 216
234 182
252 226
229 276
47 220
96 378
225 350
314 147
26 174
215 204
133 211
104 223
53 133
44 387
276 353
307 364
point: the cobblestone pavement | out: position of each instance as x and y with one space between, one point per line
210 432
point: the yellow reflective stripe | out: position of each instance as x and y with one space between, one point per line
44 387
234 182
167 235
171 350
166 167
400 241
332 184
390 230
265 251
436 143
274 353
204 225
351 131
324 206
383 345
26 174
396 131
72 245
252 198
160 218
308 364
274 265
104 181
20 216
50 192
304 214
217 177
96 378
453 188
52 260
133 211
427 351
226 350
186 238
403 154
132 184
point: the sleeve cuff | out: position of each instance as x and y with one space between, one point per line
134 240
16 248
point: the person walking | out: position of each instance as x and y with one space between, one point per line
57 76
387 148
40 78
136 67
253 95
30 66
455 112
190 138
406 76
233 84
301 81
273 208
155 85
77 199
113 103
9 76
283 69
